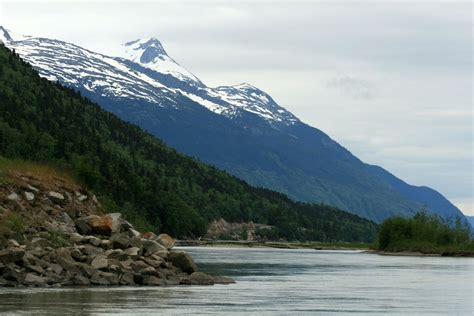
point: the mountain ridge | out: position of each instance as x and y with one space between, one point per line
239 128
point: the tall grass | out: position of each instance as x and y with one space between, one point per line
44 172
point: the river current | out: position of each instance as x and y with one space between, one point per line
277 282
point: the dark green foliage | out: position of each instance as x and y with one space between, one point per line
424 233
136 174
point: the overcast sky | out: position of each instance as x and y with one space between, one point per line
392 81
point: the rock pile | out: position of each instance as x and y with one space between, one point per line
66 242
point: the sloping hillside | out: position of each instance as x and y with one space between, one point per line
137 174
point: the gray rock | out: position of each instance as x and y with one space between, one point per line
127 279
198 278
55 196
173 280
78 255
120 241
32 279
11 255
67 219
154 261
117 254
3 282
127 264
106 244
104 278
81 280
138 265
133 233
82 225
76 238
13 243
133 252
11 272
135 241
99 262
149 271
150 280
35 268
56 268
151 247
13 197
183 261
93 240
81 197
29 196
32 188
223 280
64 259
91 250
116 222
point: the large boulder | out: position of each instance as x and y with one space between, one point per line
94 224
198 278
119 225
165 240
99 262
11 255
80 280
183 261
127 278
33 279
104 278
151 247
120 241
133 252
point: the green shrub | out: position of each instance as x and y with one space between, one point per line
423 233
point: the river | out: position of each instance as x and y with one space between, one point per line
277 282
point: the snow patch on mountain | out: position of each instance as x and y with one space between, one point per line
149 53
144 72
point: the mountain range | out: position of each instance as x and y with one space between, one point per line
240 128
54 131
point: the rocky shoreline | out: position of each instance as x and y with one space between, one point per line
54 235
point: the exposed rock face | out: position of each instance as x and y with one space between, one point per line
183 261
66 242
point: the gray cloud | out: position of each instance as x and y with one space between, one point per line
353 87
392 81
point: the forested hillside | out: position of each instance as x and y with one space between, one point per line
137 174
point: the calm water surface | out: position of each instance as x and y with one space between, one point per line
278 282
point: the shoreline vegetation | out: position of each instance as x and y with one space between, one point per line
364 247
425 234
421 235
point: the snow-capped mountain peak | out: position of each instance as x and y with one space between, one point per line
4 35
149 53
142 72
145 50
8 36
